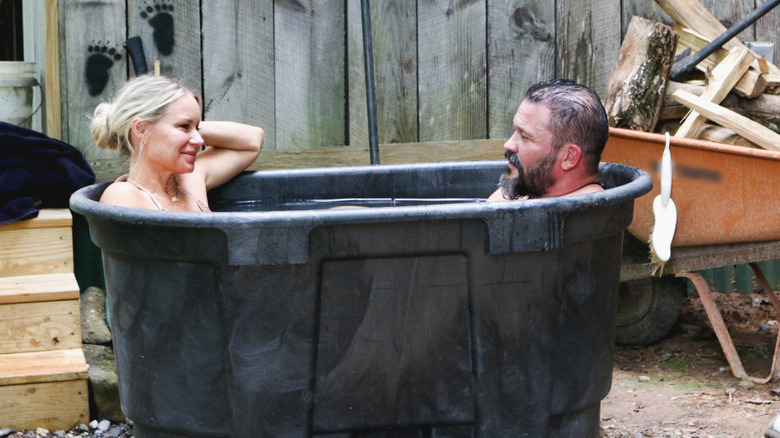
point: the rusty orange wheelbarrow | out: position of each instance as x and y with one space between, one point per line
728 213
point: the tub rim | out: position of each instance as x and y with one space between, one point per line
84 202
530 225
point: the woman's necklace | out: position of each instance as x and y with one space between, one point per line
173 198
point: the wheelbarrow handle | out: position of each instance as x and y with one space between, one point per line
686 65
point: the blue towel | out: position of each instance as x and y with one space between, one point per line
37 172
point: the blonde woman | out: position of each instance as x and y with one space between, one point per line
156 121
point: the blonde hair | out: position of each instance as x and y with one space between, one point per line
146 97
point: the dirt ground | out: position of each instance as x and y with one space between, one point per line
683 386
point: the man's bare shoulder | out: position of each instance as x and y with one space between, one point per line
498 195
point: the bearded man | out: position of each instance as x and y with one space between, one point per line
560 131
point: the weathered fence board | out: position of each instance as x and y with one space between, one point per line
443 70
238 55
171 33
93 65
310 99
767 31
394 35
588 41
642 8
521 52
452 69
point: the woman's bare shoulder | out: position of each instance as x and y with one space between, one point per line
124 194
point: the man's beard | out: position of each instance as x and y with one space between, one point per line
533 183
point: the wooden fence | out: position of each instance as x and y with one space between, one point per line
444 69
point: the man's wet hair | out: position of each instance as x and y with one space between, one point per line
576 116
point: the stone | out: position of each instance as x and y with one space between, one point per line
104 425
94 329
5 432
747 384
103 382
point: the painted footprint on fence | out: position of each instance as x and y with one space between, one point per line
99 61
160 18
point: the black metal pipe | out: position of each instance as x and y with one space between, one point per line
135 49
686 65
368 60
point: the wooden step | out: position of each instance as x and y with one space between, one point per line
42 366
47 218
38 288
45 389
43 372
41 245
39 313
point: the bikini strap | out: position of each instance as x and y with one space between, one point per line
202 205
126 178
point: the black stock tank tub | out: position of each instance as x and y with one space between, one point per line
366 301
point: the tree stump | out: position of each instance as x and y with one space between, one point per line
636 88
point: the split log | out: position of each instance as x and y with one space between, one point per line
637 84
772 81
751 84
753 131
722 80
764 109
709 132
693 15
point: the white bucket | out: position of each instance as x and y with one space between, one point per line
17 80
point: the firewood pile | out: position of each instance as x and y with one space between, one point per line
730 96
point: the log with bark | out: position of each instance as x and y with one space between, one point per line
636 87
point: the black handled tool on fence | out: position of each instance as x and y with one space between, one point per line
135 49
685 62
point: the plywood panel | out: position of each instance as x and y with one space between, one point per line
588 40
93 65
53 406
170 32
238 60
521 49
310 94
51 325
453 69
394 34
36 251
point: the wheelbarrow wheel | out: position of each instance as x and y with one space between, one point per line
648 308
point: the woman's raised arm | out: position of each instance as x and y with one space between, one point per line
230 148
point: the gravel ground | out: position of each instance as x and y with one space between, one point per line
95 429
